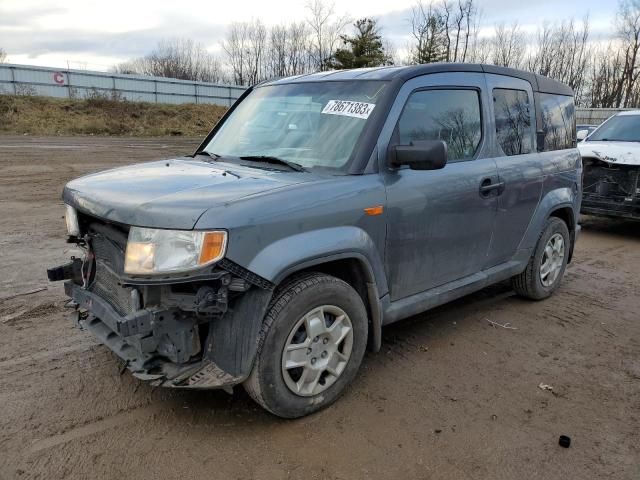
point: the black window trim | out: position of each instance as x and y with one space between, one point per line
395 140
532 127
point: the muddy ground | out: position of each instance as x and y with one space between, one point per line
450 396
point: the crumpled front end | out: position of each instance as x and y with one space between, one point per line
611 189
174 329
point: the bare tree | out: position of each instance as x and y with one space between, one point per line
606 74
445 15
257 42
3 56
628 27
469 13
326 27
509 45
245 47
478 48
179 58
236 46
458 19
562 52
441 32
287 50
299 46
614 69
481 50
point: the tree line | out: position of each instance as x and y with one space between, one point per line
601 74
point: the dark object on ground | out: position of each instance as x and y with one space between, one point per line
564 441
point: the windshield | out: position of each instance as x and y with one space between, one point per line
315 124
621 128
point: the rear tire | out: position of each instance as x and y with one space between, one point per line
303 364
546 267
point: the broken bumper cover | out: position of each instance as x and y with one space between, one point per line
605 206
133 338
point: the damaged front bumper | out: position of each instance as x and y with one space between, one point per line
611 189
195 331
135 339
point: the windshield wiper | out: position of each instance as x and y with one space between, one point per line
270 159
214 156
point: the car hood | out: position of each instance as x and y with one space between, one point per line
625 153
171 193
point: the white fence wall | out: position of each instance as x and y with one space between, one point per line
595 116
51 82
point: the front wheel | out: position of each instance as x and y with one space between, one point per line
311 346
546 267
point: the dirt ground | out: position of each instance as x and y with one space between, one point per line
450 396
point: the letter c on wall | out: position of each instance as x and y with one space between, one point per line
58 77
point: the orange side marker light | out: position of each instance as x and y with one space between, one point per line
373 211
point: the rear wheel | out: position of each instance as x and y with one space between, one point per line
312 343
546 267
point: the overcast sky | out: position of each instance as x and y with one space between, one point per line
96 34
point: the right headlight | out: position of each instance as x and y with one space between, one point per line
154 251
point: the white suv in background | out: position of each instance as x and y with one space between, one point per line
611 162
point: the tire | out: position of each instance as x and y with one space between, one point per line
532 283
318 301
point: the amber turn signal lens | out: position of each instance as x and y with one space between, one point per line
213 246
373 211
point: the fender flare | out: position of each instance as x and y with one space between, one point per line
291 254
554 200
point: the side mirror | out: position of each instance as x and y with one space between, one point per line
582 134
420 155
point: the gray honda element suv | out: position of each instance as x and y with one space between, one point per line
319 209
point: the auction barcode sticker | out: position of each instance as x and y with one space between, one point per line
349 108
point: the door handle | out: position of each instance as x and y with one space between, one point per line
487 186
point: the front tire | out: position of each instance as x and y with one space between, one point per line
546 267
311 345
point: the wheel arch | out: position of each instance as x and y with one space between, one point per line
567 215
355 270
562 203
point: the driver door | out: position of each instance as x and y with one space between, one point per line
440 222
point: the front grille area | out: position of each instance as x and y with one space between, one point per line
108 258
614 181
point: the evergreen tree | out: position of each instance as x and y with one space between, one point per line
363 49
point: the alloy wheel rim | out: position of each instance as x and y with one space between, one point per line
552 260
317 350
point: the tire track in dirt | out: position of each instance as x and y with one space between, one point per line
47 355
99 426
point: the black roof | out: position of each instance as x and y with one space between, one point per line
538 82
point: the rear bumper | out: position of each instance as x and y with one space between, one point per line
134 338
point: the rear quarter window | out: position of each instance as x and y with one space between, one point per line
558 121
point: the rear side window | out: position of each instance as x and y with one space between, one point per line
449 115
558 121
512 111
